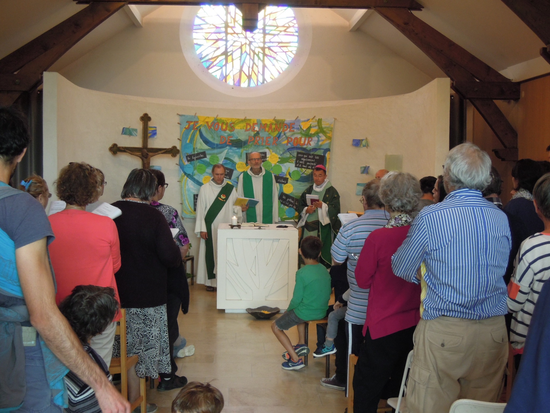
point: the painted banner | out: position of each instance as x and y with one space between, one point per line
289 148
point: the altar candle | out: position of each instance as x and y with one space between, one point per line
233 220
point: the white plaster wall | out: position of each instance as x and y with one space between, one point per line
80 125
149 62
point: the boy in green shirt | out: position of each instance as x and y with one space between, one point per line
309 302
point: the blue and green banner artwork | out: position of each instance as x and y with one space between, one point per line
290 149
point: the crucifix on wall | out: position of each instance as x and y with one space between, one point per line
144 152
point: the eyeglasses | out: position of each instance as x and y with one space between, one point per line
254 159
165 185
362 200
104 183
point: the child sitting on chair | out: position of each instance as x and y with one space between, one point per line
309 302
89 310
198 397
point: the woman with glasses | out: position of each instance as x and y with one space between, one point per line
86 249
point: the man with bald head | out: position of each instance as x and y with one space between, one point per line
259 184
380 174
214 207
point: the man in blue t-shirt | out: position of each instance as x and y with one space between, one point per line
32 328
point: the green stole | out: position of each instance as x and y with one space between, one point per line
315 228
267 197
211 215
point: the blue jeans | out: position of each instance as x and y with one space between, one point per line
38 397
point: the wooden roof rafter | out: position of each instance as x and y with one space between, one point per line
534 13
471 78
21 71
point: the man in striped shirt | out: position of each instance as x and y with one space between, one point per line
461 345
348 245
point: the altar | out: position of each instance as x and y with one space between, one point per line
256 266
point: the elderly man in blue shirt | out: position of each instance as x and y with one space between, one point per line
458 250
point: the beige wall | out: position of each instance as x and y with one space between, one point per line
149 62
80 125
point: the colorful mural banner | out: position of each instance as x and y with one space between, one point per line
290 149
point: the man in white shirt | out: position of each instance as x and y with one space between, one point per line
214 207
259 184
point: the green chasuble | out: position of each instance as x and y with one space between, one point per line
329 195
267 197
211 215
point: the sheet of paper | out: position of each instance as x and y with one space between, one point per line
346 217
57 206
107 210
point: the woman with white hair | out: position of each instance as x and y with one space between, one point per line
393 310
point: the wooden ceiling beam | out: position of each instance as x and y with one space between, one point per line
489 90
472 79
337 4
22 69
535 14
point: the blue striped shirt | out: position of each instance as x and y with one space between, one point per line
464 242
348 244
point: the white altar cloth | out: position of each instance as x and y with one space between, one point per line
256 267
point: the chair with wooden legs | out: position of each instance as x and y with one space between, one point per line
122 364
327 358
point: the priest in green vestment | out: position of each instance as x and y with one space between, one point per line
319 216
214 207
259 184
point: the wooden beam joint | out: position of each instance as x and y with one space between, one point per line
488 90
506 154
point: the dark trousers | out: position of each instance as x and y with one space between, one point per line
341 343
173 306
379 369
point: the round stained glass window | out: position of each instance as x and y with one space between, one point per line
240 58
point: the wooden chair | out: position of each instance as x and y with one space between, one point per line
191 259
122 364
327 358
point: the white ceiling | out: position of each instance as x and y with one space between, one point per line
486 28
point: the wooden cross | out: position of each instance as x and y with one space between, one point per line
143 152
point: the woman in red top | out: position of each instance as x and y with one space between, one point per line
86 249
393 310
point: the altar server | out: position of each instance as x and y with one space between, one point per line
214 206
260 184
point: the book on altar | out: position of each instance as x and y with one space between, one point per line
107 210
251 202
347 217
310 199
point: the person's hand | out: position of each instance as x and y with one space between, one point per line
204 235
111 401
245 208
310 209
318 204
337 305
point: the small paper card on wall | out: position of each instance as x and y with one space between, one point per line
129 131
364 169
229 173
356 143
152 132
308 160
195 156
288 201
281 179
359 189
394 163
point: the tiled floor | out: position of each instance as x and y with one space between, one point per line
240 356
